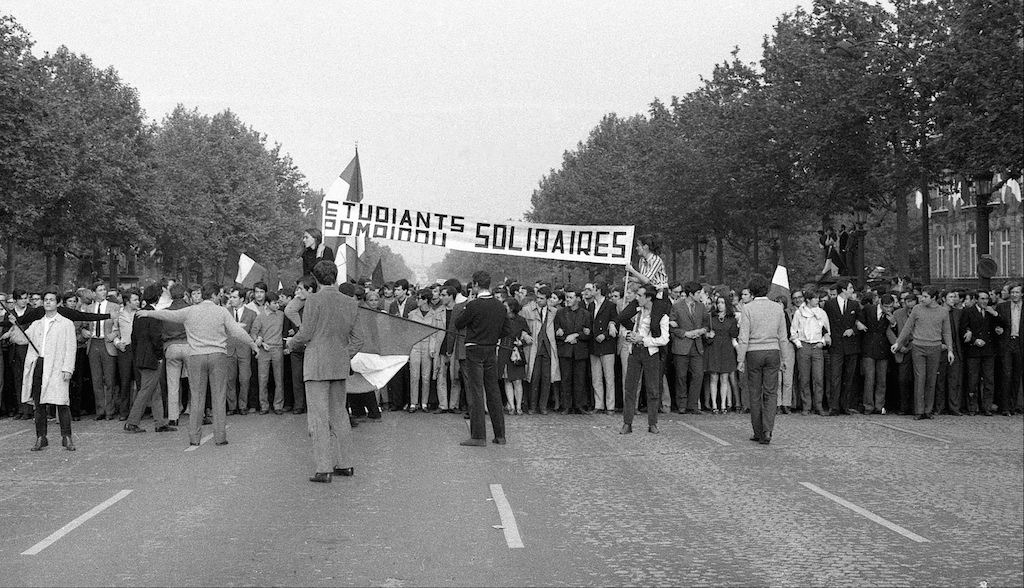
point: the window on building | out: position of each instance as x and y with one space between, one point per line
940 256
972 257
956 256
1004 253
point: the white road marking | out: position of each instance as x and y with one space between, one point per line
940 439
508 520
708 435
9 435
204 439
866 513
75 524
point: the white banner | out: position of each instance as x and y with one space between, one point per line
590 244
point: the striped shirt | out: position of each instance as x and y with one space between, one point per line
654 270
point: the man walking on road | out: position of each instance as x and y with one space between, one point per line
762 332
486 322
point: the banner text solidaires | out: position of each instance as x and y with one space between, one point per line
579 243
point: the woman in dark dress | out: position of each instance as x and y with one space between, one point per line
514 372
721 353
314 250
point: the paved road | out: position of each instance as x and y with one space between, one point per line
592 507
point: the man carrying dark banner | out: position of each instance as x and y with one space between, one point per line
486 322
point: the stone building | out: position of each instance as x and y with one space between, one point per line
953 232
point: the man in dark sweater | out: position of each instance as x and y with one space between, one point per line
486 321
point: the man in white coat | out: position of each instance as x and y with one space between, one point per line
47 378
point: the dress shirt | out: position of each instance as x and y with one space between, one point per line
642 327
1015 319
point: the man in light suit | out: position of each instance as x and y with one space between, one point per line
103 353
239 355
844 352
689 321
1011 329
330 337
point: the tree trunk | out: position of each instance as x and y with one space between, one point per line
49 267
756 259
902 230
719 259
59 265
112 268
695 273
926 265
9 283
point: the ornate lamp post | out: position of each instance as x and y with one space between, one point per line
774 235
986 266
861 211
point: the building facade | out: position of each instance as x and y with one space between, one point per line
953 231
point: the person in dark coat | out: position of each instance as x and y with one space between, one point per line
878 328
147 341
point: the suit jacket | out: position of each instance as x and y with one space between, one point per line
981 326
234 347
1005 317
572 322
700 319
601 317
147 342
410 305
839 323
110 329
460 338
330 335
955 316
878 339
901 316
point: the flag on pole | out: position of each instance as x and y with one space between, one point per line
378 275
387 342
780 281
249 272
349 186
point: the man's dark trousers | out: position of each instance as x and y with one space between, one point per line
482 382
692 364
842 371
763 385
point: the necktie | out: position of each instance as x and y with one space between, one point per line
99 324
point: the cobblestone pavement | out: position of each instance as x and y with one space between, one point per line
593 507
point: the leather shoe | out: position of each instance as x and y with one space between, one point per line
264 412
474 443
67 443
41 444
322 478
653 429
299 411
194 444
165 429
344 471
921 417
224 442
133 429
755 438
626 429
101 417
499 441
987 413
123 417
207 421
766 439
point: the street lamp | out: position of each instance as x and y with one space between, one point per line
702 246
861 211
986 266
774 237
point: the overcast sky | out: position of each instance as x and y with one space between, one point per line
456 106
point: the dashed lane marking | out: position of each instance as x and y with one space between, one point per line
940 439
866 513
508 520
75 523
708 435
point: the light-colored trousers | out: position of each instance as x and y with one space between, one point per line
264 361
212 368
787 351
602 375
175 357
449 372
419 376
329 425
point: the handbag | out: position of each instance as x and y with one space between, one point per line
517 357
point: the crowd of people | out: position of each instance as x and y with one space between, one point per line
574 349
